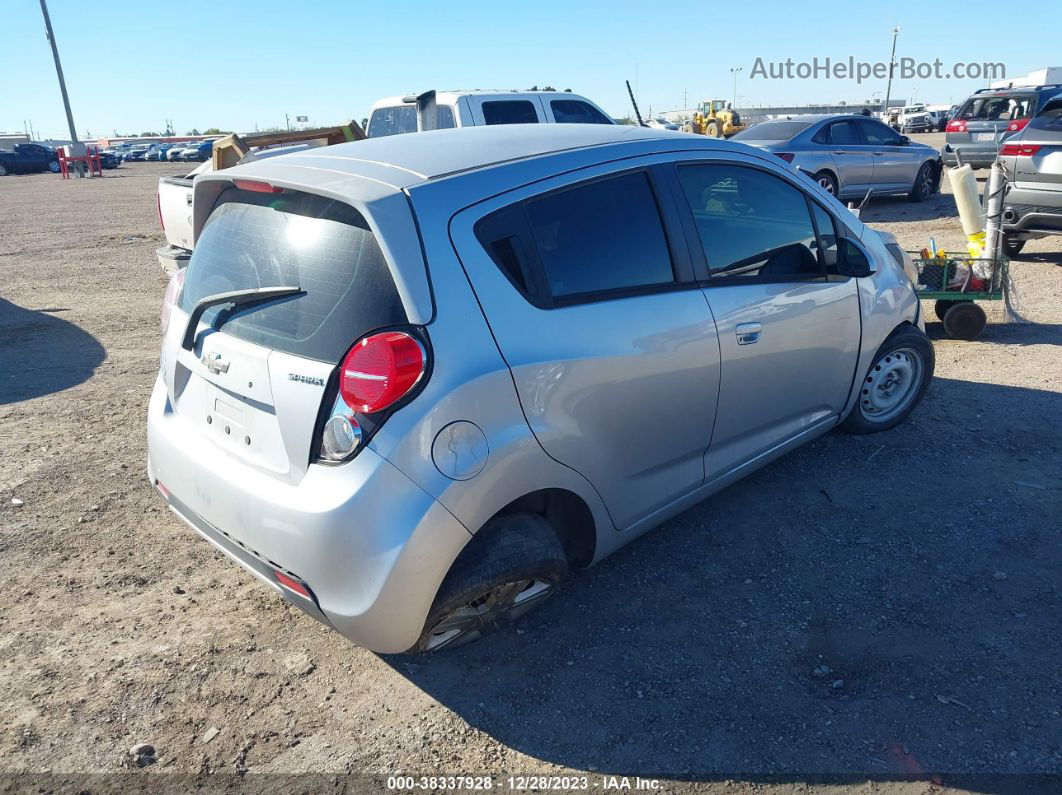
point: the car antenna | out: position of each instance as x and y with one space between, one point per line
637 113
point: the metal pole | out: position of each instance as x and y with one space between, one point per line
892 65
59 72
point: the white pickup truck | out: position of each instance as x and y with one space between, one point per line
389 116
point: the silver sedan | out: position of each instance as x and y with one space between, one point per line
850 155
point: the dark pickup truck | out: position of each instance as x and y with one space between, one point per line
28 159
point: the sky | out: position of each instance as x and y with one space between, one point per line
241 66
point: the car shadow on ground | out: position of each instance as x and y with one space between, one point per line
40 353
867 606
888 209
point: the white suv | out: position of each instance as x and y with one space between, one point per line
442 109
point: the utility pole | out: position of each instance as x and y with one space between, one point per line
892 66
287 122
734 71
59 72
684 100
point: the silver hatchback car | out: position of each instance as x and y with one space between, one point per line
411 382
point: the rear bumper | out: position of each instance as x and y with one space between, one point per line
1032 211
371 545
972 155
172 258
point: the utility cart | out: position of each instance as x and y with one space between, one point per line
954 281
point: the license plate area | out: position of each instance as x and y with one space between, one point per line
984 137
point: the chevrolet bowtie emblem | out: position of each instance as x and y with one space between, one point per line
214 363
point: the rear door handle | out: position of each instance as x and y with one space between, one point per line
838 151
879 153
748 333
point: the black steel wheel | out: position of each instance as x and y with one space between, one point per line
965 320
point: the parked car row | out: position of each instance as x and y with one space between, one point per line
185 151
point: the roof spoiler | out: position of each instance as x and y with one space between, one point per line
427 114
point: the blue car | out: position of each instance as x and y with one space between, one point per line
204 150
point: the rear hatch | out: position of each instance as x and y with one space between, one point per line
985 120
254 379
1035 160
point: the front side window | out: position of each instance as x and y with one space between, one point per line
751 224
515 111
574 111
606 235
827 237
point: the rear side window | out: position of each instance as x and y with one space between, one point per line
997 108
602 236
845 133
293 239
877 134
574 111
516 111
751 223
1050 118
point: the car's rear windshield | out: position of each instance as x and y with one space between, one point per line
403 119
997 107
293 239
1050 118
773 130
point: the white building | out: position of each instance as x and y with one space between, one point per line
1049 75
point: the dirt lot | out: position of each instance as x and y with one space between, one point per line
866 607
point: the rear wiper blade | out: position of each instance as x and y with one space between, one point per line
254 295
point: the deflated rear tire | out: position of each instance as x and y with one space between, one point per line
895 382
509 567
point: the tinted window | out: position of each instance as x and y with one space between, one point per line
773 130
509 112
845 133
323 246
751 223
444 117
574 111
877 134
997 108
606 235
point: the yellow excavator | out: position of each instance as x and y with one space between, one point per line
714 118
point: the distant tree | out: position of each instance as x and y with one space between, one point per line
215 131
148 134
548 88
625 120
193 131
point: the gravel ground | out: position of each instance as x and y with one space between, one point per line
867 607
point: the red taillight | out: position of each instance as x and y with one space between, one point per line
380 370
171 297
1024 150
1017 125
158 206
956 125
786 156
256 186
291 584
